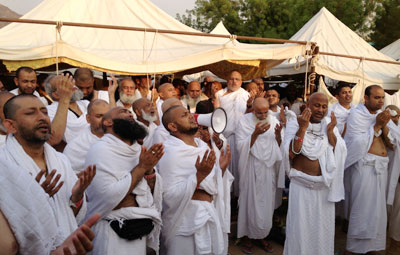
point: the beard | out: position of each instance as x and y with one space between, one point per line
128 130
126 99
148 117
30 134
188 131
192 102
76 96
88 97
268 119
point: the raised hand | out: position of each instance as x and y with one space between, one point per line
278 129
205 166
49 184
252 96
304 118
261 128
149 158
332 124
383 118
261 94
65 86
80 241
85 178
282 116
224 159
112 85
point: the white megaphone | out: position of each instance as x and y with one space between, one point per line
217 120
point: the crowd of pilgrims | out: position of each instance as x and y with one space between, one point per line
130 171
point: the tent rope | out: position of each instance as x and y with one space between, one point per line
59 25
306 83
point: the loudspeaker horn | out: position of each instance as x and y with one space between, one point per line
217 120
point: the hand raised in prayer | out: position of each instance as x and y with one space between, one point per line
332 124
85 178
252 96
112 85
224 159
304 118
149 158
261 128
218 141
261 94
278 129
282 116
65 87
382 118
80 241
49 184
205 166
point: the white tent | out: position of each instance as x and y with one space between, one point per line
128 52
392 50
331 35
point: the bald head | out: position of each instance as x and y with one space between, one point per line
318 104
260 102
96 103
170 115
173 101
194 89
260 108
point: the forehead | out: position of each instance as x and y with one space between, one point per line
272 92
28 103
344 89
377 92
127 83
318 99
194 86
100 108
236 75
87 83
27 75
261 108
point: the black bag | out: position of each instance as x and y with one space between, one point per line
132 229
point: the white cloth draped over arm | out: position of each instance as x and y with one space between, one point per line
394 163
28 211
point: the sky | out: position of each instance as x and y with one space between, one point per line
172 7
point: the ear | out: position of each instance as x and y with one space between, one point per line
16 81
108 123
172 127
337 97
138 113
366 98
87 118
10 125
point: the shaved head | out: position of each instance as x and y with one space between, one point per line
318 104
4 97
318 96
260 102
169 115
112 113
166 90
140 103
97 102
260 108
173 101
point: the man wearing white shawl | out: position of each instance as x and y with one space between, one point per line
342 108
29 128
315 152
367 166
146 116
161 134
258 138
28 224
77 149
196 198
126 190
393 190
76 109
193 96
233 99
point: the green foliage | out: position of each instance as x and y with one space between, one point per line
387 28
276 18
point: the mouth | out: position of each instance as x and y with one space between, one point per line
44 128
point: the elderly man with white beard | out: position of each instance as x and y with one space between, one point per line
233 100
77 149
75 107
196 197
127 191
193 96
258 137
127 96
146 116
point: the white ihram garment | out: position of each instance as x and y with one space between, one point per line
160 135
35 93
114 161
341 115
312 199
204 224
368 180
148 140
75 125
192 109
234 104
31 218
77 149
66 220
259 177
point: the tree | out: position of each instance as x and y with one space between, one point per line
387 29
276 18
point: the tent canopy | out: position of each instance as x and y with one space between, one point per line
331 35
392 50
128 52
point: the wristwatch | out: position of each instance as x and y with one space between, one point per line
377 134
